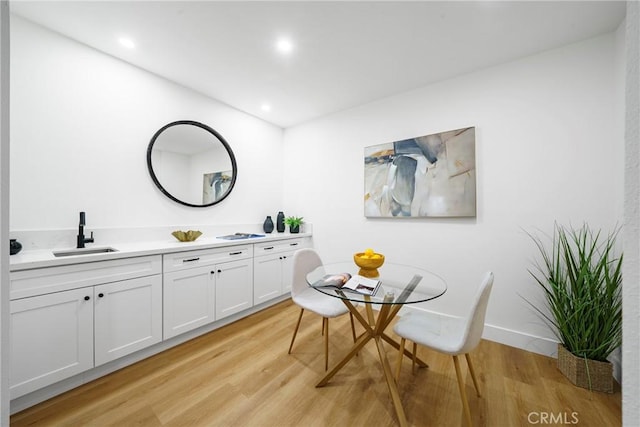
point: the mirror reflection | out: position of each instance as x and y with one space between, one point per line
191 163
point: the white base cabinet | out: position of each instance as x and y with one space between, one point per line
203 286
60 334
68 319
273 268
51 339
234 287
127 316
189 300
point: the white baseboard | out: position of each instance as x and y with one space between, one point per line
528 342
513 338
524 341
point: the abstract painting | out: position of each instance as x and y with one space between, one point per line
215 185
427 176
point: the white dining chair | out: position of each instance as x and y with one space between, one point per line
307 298
449 335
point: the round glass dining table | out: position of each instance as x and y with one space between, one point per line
399 285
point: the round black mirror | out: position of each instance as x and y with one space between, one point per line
191 163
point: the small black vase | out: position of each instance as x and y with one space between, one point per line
14 246
280 222
268 225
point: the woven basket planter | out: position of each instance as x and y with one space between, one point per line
575 369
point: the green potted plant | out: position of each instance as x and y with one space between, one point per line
294 223
581 278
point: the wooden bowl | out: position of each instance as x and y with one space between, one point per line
368 266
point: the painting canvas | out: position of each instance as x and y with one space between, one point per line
427 176
215 185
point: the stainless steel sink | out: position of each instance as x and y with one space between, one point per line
84 251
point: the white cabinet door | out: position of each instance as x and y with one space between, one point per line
287 272
272 276
128 317
234 287
188 300
51 339
267 278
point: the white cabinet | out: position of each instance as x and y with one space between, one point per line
60 334
188 300
267 280
203 286
234 287
68 319
51 339
127 316
273 264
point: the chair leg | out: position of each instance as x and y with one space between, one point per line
400 354
413 362
326 343
473 374
295 332
324 320
463 394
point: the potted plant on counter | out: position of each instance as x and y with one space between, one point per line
581 278
294 223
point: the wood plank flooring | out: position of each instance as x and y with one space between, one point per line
241 375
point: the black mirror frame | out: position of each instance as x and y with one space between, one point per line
234 166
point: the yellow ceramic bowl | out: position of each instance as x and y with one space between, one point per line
368 266
186 236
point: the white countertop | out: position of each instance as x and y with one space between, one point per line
29 259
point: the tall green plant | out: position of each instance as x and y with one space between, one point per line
582 282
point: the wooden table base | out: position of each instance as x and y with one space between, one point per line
374 329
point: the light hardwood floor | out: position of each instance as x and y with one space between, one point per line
241 375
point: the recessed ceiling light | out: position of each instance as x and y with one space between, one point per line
284 45
126 42
266 107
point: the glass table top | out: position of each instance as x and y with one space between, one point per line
399 284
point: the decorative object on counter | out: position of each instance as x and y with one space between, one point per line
186 236
14 246
426 176
240 236
580 276
280 222
294 223
369 261
268 225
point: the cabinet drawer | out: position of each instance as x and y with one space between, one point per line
184 260
41 281
280 246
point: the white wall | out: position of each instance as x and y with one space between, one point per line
4 212
631 272
547 149
80 125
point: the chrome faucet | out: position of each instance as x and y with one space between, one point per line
81 239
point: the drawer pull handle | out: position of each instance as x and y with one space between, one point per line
191 259
87 298
100 295
269 248
293 244
235 253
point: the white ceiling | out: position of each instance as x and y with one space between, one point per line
345 53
